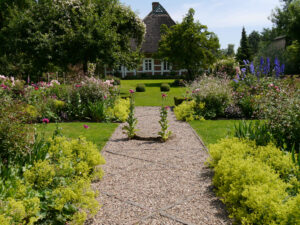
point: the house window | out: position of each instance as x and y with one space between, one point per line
148 64
166 66
120 68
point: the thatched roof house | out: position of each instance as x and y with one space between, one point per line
151 66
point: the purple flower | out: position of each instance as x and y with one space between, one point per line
245 62
131 91
277 67
46 120
252 69
86 126
235 80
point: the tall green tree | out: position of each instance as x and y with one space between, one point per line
51 35
243 52
254 39
230 50
189 45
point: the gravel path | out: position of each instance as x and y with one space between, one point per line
147 182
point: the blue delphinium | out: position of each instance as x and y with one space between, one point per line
252 68
277 67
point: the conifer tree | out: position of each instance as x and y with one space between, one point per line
243 52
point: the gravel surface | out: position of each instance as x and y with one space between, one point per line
150 182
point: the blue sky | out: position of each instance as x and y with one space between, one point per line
224 17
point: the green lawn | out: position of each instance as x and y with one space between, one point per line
152 96
98 133
211 131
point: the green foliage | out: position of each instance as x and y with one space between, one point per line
214 92
179 45
280 106
254 39
140 88
86 31
15 138
225 68
259 185
55 189
178 83
243 52
189 110
256 131
120 110
164 133
179 100
97 111
164 87
130 129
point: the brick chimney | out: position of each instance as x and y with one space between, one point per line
154 5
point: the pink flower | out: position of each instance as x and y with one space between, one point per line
276 87
36 88
167 107
78 85
163 95
131 91
271 85
46 120
86 126
105 97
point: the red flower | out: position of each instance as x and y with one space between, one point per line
105 97
46 120
163 95
36 88
78 85
167 107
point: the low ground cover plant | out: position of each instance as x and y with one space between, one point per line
259 185
44 181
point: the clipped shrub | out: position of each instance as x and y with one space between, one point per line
164 87
178 83
259 185
179 100
140 88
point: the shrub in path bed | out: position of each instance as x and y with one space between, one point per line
259 185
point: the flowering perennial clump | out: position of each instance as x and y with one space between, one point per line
164 133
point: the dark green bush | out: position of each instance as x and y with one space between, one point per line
140 88
165 87
179 100
178 83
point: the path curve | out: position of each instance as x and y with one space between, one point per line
146 182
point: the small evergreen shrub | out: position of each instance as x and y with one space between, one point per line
179 100
178 83
164 87
259 184
140 88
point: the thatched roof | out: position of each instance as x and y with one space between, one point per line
153 21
